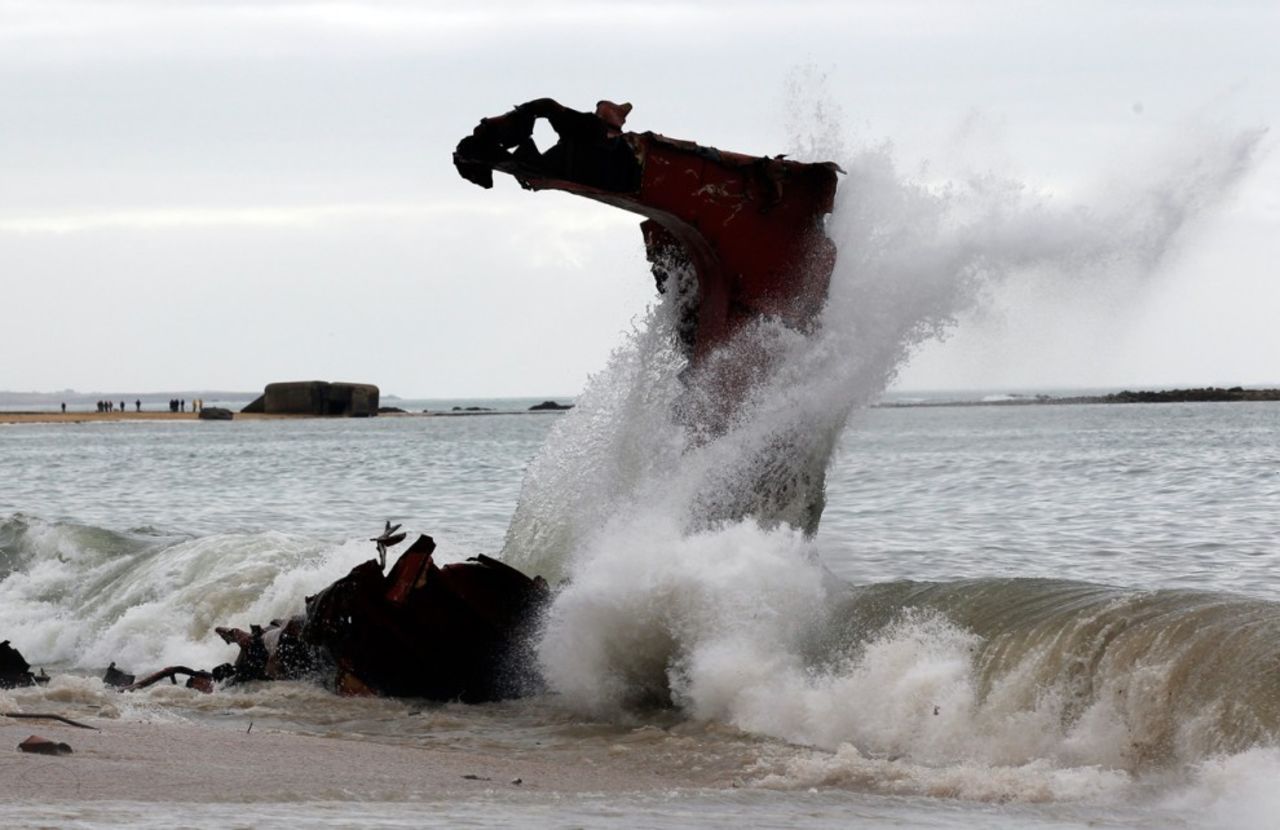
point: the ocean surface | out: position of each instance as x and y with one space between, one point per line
1010 617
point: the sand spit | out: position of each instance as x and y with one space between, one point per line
109 417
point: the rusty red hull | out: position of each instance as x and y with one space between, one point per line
750 227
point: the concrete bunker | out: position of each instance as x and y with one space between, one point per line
317 397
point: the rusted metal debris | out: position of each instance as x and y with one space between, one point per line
750 227
457 632
15 671
421 630
201 681
116 678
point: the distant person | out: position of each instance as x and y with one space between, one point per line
137 405
182 405
122 406
64 409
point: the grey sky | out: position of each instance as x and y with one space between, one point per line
222 194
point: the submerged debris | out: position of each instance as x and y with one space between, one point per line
201 681
388 539
118 679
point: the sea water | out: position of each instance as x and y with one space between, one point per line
1014 616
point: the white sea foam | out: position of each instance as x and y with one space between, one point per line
719 616
1237 791
88 597
914 255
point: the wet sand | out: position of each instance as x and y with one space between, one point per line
180 762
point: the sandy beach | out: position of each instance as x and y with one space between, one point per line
178 762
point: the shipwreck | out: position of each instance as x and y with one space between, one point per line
750 229
741 237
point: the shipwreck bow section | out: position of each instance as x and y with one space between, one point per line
749 227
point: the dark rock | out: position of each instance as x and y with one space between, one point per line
550 406
389 410
215 413
44 746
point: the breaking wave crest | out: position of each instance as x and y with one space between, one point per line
742 626
691 581
82 597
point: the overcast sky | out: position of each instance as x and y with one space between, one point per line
222 194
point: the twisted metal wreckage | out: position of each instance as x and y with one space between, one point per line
741 236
